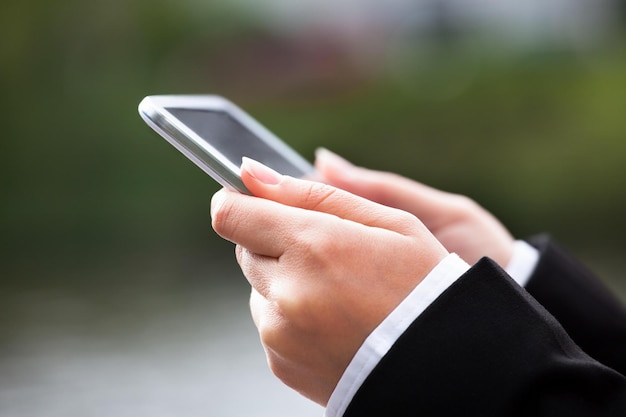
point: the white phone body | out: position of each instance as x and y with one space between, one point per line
216 134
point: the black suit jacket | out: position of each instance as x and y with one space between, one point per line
487 347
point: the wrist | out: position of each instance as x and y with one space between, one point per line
383 337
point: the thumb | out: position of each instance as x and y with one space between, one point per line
266 183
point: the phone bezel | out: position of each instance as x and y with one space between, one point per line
153 110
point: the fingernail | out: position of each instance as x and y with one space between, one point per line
260 172
328 157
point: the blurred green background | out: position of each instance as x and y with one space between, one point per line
524 112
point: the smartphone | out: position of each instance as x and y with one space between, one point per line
215 134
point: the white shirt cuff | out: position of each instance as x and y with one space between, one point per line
523 262
385 335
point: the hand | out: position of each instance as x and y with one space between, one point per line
326 268
460 224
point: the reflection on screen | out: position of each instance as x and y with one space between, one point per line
233 139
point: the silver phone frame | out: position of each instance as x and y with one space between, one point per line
153 110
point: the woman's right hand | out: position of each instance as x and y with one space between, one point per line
326 268
460 224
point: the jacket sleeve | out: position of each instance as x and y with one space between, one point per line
485 347
592 316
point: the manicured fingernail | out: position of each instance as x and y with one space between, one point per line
260 172
326 156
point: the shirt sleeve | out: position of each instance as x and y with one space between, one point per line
385 335
378 343
523 262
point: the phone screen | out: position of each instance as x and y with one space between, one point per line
233 139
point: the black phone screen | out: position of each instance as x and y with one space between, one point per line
233 139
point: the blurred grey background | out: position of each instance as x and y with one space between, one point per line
117 299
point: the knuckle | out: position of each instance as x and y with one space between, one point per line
253 267
406 218
219 215
274 334
277 367
408 223
317 248
463 200
380 191
224 219
268 319
316 194
239 254
289 311
462 204
269 335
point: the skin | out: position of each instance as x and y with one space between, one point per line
328 262
460 224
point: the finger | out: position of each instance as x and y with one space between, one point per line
427 203
257 306
259 270
262 226
314 196
266 317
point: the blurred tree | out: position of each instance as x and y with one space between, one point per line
83 180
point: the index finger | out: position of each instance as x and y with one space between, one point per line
262 226
323 198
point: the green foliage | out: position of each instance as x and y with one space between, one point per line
536 137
